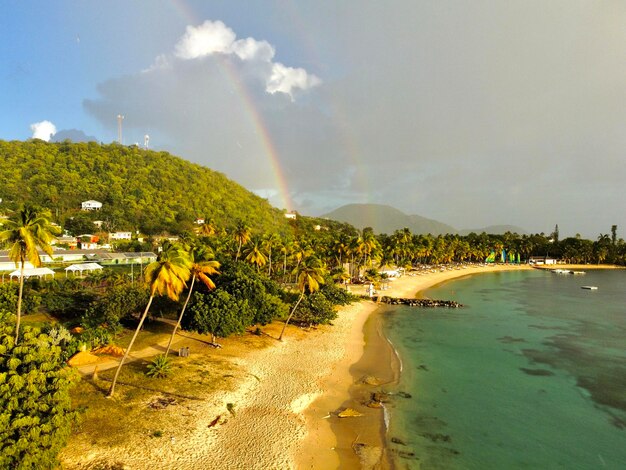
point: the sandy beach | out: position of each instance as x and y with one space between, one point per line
283 396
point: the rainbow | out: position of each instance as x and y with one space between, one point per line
185 11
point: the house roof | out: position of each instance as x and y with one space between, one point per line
83 267
33 272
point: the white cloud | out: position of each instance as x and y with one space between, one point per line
214 37
209 38
251 49
43 130
286 79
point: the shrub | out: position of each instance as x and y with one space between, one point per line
336 295
160 367
315 309
8 298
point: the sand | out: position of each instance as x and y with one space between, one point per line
281 406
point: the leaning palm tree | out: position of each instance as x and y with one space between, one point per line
202 266
310 274
167 275
23 233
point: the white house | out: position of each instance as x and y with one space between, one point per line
120 235
91 205
291 215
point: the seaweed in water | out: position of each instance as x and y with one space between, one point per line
537 372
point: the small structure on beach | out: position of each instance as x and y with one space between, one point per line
542 260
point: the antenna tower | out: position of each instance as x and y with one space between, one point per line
146 140
120 118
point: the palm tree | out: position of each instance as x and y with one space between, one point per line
340 248
167 275
207 229
285 249
340 275
241 236
270 242
202 266
310 274
255 255
23 233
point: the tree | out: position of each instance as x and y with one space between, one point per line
242 236
269 243
166 276
316 309
254 254
202 266
555 234
613 234
35 407
262 294
24 232
207 229
79 224
217 313
310 274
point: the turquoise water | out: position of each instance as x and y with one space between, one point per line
530 374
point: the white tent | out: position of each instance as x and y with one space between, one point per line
30 272
82 267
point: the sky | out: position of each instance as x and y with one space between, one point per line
471 113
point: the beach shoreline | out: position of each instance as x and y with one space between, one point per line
284 394
330 442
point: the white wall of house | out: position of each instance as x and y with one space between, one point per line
9 266
121 235
91 205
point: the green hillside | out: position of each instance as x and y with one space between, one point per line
140 189
386 219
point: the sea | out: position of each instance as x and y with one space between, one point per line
529 374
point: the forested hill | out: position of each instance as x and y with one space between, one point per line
140 189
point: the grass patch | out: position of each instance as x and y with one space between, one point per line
128 416
153 332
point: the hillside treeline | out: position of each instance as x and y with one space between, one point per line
153 192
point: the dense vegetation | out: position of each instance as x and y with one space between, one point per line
35 408
142 190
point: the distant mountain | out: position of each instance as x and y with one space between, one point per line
495 230
386 219
74 135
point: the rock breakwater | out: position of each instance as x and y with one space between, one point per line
425 303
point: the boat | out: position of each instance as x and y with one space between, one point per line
579 272
589 287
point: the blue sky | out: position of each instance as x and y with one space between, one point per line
471 113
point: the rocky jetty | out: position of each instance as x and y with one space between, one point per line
426 303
